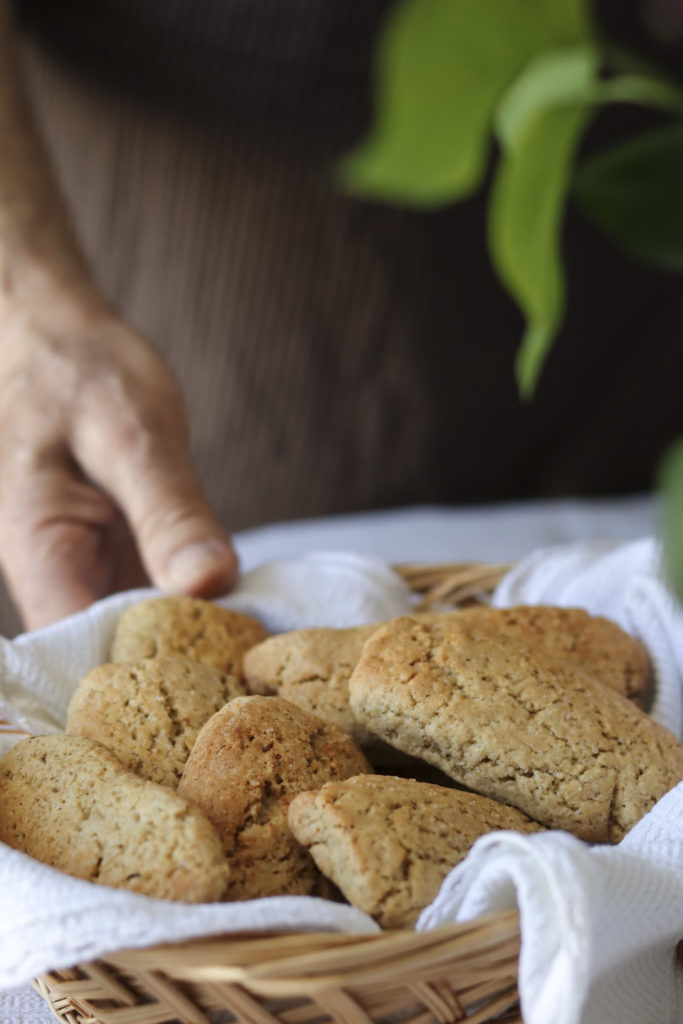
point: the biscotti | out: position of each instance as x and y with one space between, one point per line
149 712
187 627
68 801
311 668
249 761
590 643
505 720
388 843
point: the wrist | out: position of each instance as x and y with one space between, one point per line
58 299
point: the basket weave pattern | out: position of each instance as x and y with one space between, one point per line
464 972
461 972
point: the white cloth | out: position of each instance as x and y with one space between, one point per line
500 532
599 926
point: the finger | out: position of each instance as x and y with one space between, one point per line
51 545
129 434
127 570
183 547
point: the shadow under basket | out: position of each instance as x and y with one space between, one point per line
462 972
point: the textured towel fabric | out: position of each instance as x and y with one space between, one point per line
599 925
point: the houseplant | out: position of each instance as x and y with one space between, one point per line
467 89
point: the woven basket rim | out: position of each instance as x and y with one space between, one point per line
454 972
389 943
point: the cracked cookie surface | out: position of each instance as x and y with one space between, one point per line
589 642
68 802
508 722
188 627
311 668
149 712
388 843
249 761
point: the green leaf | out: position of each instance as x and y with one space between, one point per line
540 124
670 484
554 78
442 67
558 76
645 90
634 192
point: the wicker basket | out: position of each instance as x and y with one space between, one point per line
465 972
455 973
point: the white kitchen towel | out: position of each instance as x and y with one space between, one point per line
599 925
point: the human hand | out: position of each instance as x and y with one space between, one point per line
97 491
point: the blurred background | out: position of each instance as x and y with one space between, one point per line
341 353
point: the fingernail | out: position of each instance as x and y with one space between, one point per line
197 563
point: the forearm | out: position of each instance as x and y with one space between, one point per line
97 489
40 258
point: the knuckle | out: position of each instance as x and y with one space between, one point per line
118 417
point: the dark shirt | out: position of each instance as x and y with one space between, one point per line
297 66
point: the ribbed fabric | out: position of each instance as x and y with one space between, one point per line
289 66
335 354
273 296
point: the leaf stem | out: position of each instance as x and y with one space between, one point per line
642 90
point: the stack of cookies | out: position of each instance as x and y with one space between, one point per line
207 761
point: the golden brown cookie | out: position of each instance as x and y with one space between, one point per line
591 643
311 668
388 843
186 627
149 712
67 801
249 761
511 723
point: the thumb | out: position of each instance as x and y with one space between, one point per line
181 543
183 547
129 433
